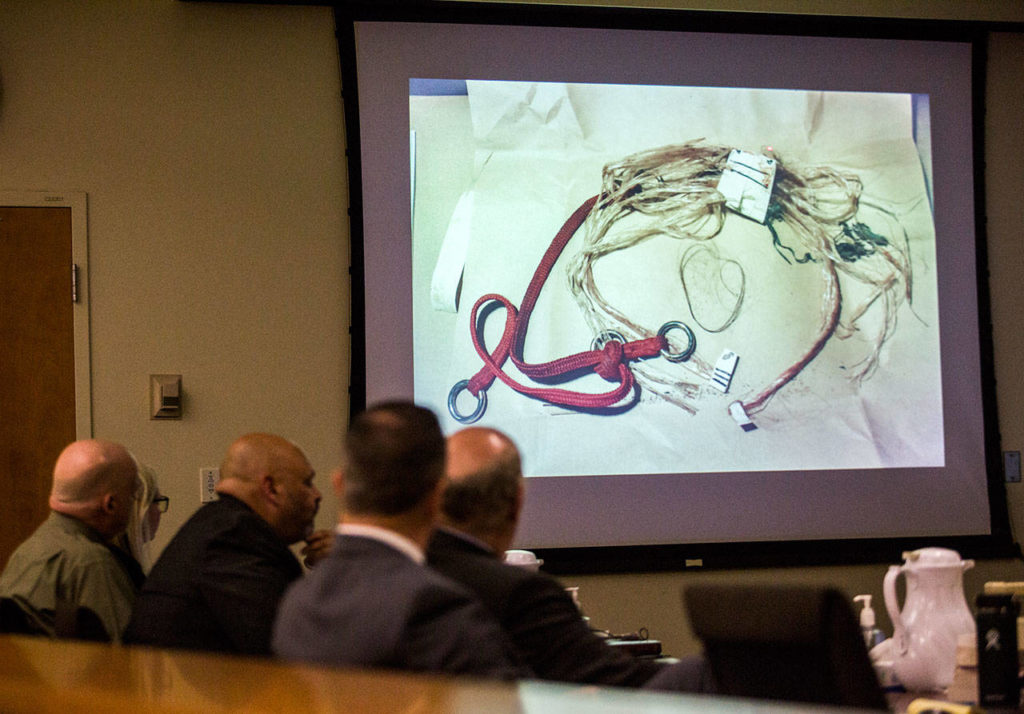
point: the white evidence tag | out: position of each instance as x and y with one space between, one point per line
739 415
725 368
746 182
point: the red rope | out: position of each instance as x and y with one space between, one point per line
610 362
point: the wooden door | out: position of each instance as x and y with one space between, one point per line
37 379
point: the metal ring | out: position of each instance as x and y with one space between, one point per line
690 348
605 337
481 404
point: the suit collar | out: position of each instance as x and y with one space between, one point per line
453 538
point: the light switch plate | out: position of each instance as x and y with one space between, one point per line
165 396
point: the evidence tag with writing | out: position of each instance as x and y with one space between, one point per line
747 182
724 370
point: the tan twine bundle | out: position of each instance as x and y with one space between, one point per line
674 190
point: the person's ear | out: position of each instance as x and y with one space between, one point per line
109 503
269 488
338 482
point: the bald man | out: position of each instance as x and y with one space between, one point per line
217 584
67 578
479 514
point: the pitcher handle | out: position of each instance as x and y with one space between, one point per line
892 607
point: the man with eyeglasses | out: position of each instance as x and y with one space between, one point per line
150 505
68 579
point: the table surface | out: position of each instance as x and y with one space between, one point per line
41 675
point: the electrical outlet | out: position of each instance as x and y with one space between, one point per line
209 477
1011 466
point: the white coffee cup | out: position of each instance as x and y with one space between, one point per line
523 559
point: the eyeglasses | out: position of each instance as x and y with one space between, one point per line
162 503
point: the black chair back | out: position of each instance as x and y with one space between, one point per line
792 643
77 622
69 622
14 620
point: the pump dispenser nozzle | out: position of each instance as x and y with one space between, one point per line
872 635
867 614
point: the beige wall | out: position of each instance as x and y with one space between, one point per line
210 142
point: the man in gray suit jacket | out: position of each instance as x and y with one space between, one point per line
372 601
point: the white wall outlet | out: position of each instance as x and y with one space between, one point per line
209 477
1011 466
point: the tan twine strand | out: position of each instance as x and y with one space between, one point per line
674 191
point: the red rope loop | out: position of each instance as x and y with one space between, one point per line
610 362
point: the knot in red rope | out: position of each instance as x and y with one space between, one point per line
611 358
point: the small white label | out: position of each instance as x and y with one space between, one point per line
747 182
725 368
739 415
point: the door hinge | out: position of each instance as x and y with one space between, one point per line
74 282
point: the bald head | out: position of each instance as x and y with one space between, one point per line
477 449
273 477
484 488
94 481
252 455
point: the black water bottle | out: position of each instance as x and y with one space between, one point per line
998 669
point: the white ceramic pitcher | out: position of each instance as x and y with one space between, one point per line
934 614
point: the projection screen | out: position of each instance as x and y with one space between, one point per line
717 279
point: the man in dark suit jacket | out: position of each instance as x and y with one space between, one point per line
480 513
372 602
217 584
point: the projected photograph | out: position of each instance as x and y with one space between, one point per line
714 279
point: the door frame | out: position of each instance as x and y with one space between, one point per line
77 202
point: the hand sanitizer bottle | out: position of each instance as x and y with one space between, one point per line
872 635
